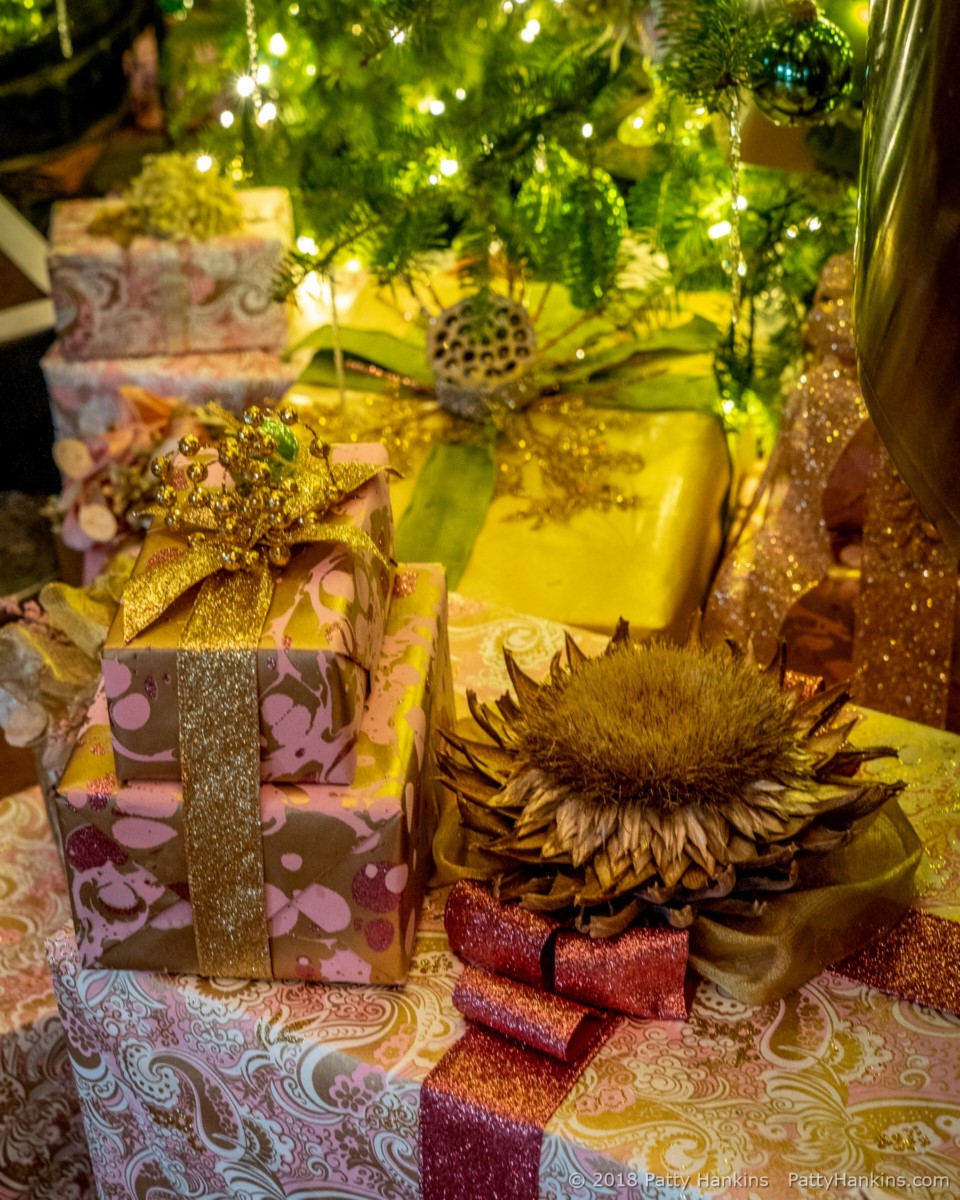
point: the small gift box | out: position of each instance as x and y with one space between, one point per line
319 640
157 296
87 397
42 1147
343 868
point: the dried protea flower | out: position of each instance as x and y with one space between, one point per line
658 779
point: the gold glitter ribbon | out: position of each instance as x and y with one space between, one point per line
220 756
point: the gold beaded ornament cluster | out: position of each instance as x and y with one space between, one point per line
277 498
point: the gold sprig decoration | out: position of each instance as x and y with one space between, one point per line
181 197
657 780
275 487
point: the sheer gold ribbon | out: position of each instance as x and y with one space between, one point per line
846 899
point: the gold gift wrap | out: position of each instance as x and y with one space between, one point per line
320 640
344 868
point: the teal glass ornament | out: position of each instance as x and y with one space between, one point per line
802 69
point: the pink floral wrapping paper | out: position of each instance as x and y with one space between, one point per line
292 1090
42 1148
320 641
345 867
169 297
86 398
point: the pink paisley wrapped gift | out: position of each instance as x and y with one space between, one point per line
87 398
160 296
837 1091
319 642
344 868
43 1152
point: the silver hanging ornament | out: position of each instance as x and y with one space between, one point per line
481 351
802 69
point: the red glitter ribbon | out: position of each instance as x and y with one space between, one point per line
918 960
485 1105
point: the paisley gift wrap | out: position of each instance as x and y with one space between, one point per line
169 297
86 397
43 1152
318 644
344 866
288 1090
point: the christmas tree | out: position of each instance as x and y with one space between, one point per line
590 144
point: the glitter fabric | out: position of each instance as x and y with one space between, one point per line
483 1109
918 960
641 972
506 939
908 592
220 756
537 1018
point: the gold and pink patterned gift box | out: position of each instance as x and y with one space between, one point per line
344 866
295 1090
169 297
319 644
87 397
43 1153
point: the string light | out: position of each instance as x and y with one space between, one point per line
449 166
267 113
226 118
263 73
434 180
353 265
460 94
742 203
246 86
722 229
306 245
278 45
204 163
814 224
437 107
310 70
397 36
637 122
587 130
530 30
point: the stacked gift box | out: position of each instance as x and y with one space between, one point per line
181 318
350 680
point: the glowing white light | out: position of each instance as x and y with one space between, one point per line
742 270
587 130
449 166
530 30
306 245
720 230
293 9
507 6
263 73
792 231
728 406
434 179
353 265
742 203
278 45
310 69
397 36
460 94
226 118
267 113
437 107
814 224
204 162
246 86
863 14
637 122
